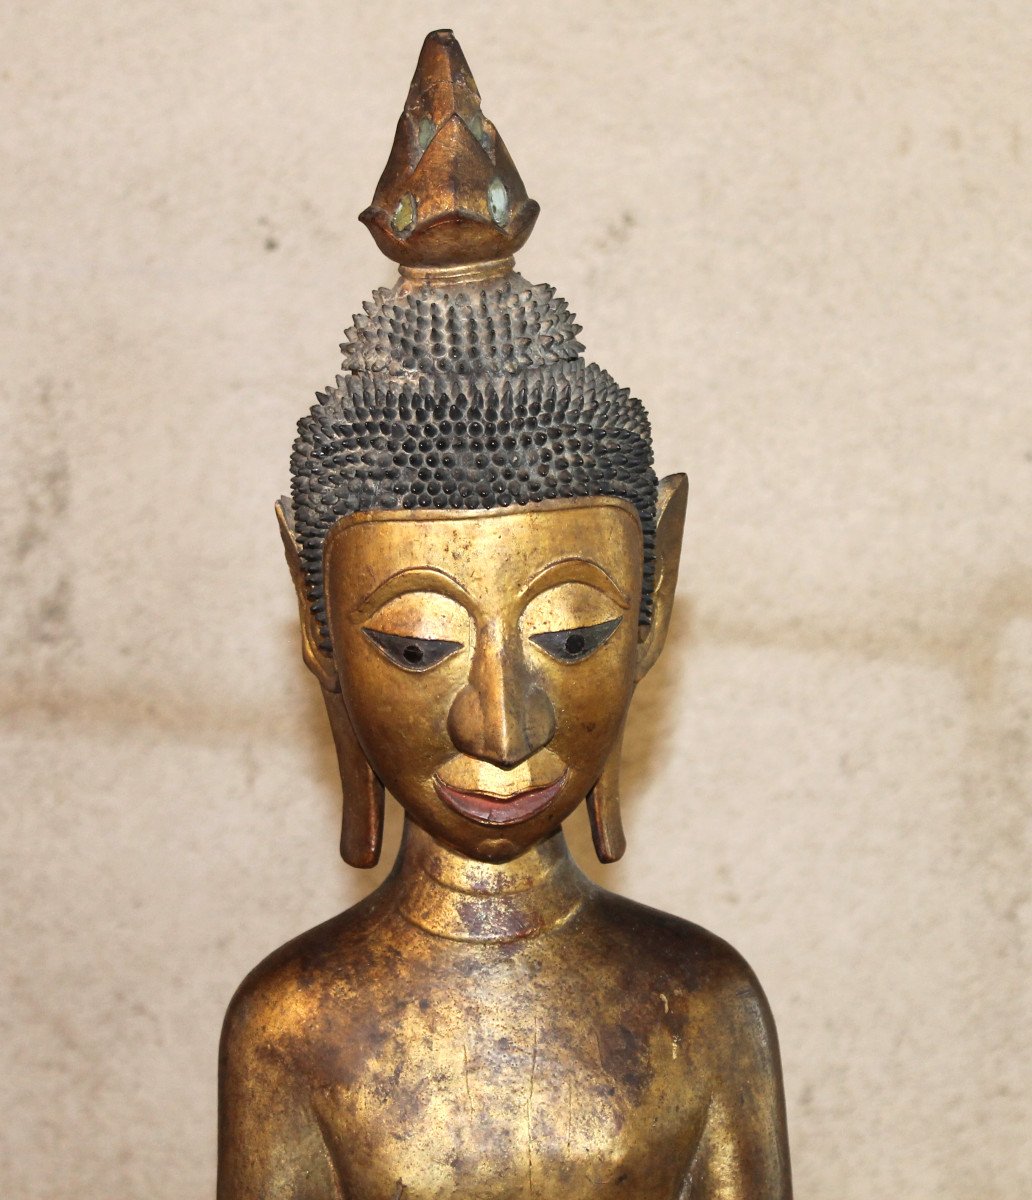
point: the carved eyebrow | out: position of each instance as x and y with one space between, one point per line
576 570
414 579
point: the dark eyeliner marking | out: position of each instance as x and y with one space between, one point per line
572 645
412 653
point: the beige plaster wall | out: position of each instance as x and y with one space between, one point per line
799 230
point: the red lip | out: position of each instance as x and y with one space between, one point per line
493 810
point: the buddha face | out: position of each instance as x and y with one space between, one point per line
487 659
483 663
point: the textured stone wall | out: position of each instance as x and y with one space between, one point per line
801 232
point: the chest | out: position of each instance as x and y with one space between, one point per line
513 1086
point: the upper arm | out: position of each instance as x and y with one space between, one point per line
743 1152
270 1144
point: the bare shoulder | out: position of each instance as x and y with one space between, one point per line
282 997
689 961
274 1041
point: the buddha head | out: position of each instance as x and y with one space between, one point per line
484 560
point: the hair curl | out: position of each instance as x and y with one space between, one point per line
466 401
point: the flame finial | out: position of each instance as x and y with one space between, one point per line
450 195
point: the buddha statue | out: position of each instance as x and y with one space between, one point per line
485 567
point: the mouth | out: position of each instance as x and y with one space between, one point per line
497 810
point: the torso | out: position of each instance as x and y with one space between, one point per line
566 1064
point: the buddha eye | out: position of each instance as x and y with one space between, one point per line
571 645
412 653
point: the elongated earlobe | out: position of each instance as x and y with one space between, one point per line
361 834
362 825
603 805
603 801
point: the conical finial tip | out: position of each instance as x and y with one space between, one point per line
450 194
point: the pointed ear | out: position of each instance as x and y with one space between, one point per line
673 498
316 659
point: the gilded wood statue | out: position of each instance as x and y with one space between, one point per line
485 566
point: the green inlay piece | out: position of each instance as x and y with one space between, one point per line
498 201
405 214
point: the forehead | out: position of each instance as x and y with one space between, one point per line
483 550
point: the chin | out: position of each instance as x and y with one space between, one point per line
500 848
504 844
485 844
490 845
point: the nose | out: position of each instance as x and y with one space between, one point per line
501 715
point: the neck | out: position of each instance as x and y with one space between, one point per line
447 894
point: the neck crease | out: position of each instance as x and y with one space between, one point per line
452 896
